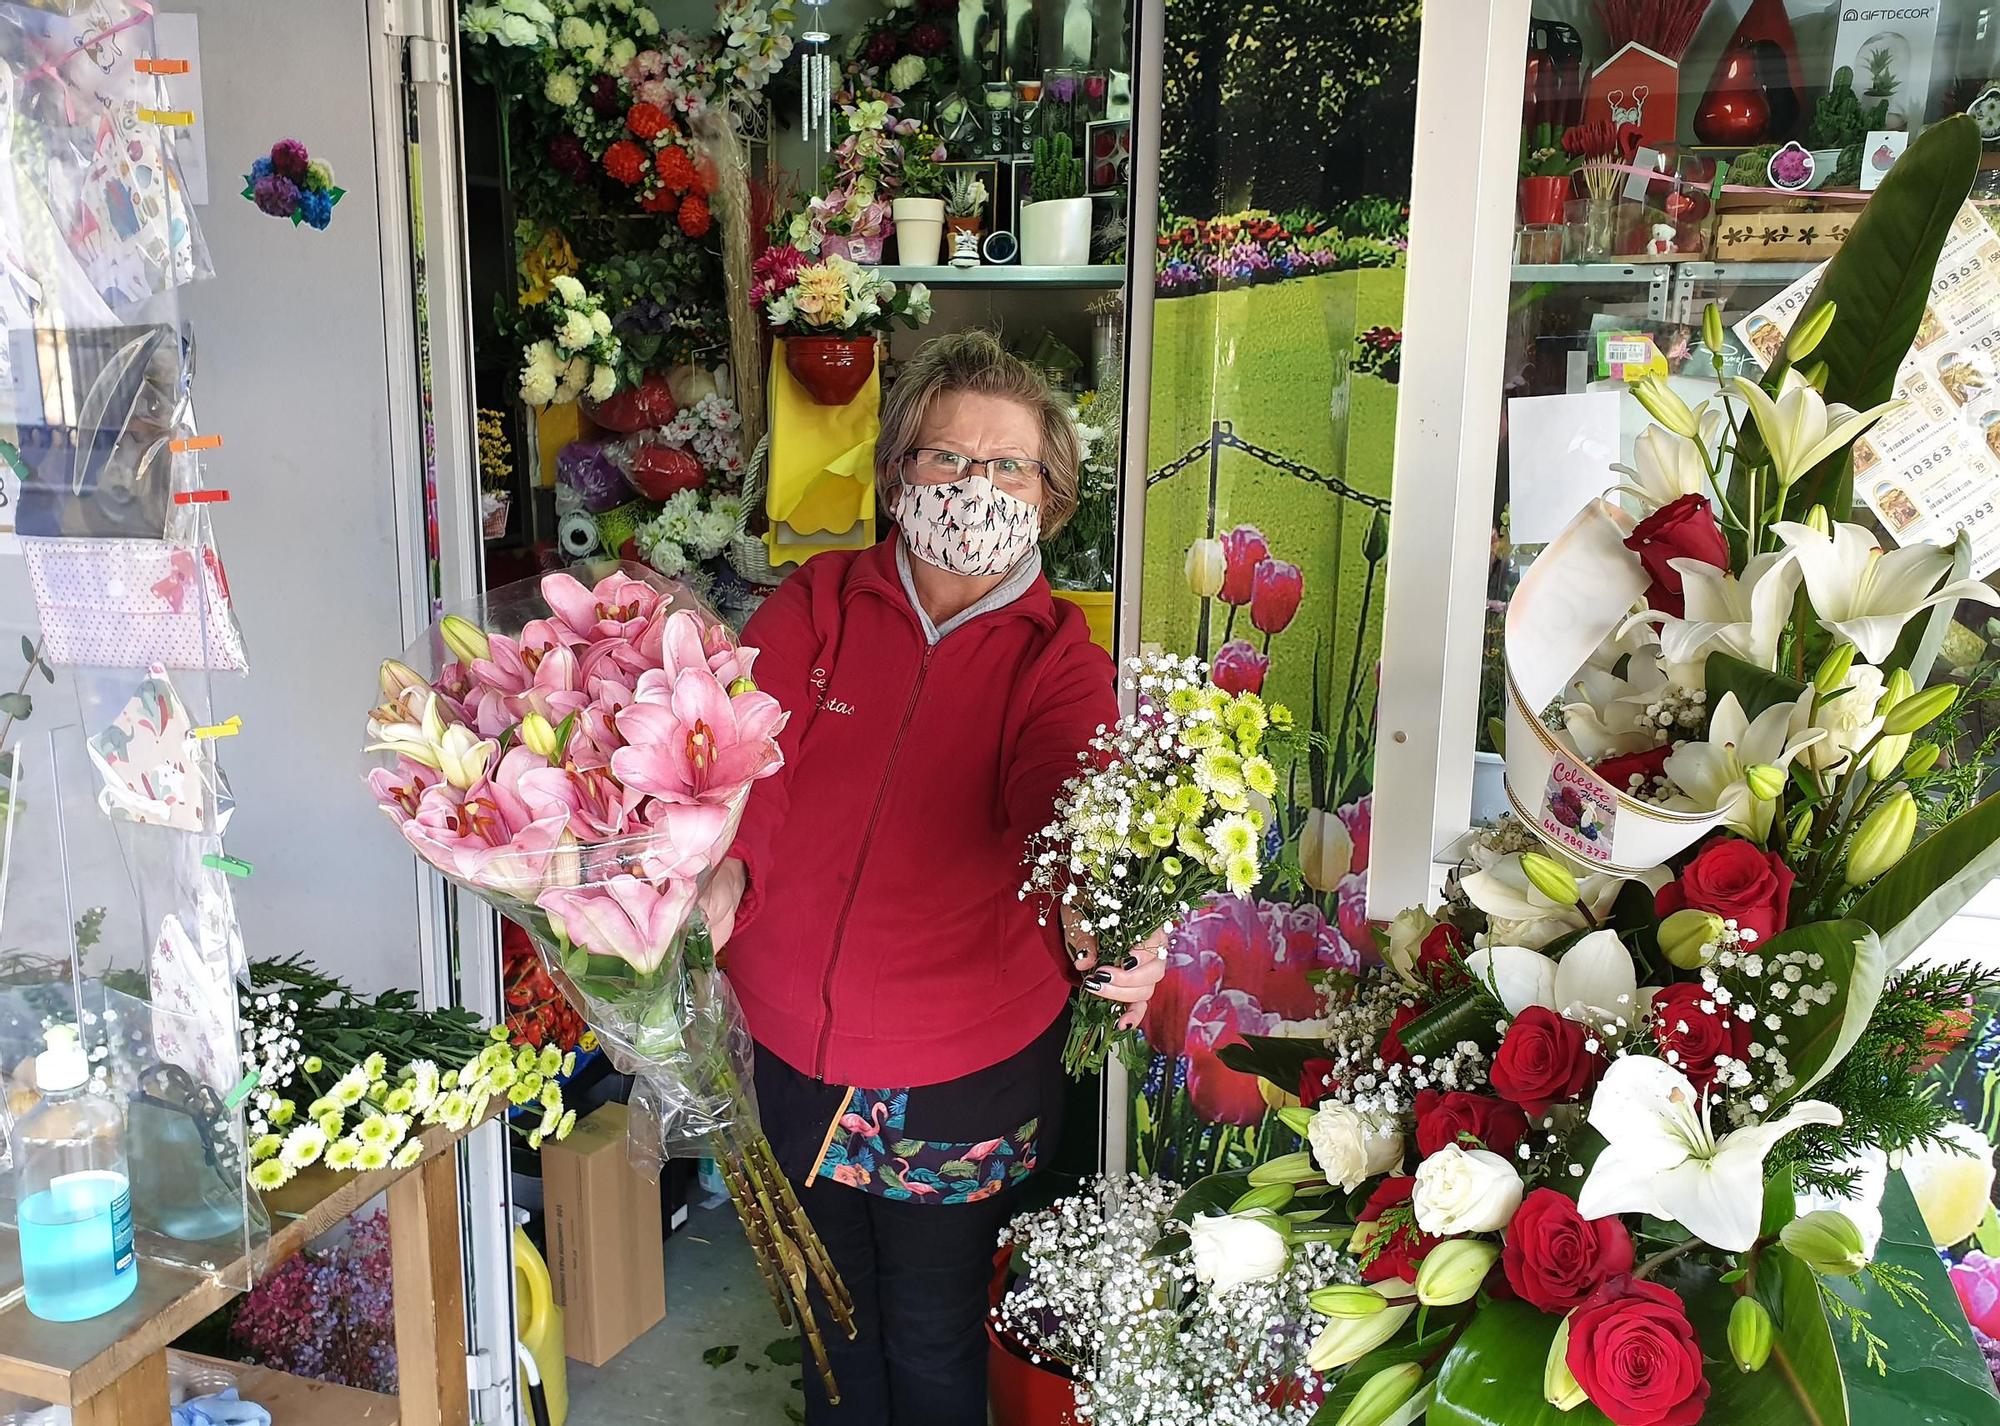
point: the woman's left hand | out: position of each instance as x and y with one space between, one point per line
1132 983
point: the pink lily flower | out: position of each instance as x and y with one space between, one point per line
557 689
686 840
689 741
685 644
625 917
595 737
622 659
616 609
467 836
598 807
400 789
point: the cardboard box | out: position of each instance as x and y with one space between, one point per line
1781 237
604 1239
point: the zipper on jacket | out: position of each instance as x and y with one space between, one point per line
861 860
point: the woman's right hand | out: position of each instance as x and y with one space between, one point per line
719 899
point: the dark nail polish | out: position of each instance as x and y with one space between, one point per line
1098 977
1129 963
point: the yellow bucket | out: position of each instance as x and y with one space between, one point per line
538 1323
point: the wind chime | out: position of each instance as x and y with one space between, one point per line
816 85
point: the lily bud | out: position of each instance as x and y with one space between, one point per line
1885 835
1382 1395
1711 328
1375 544
1452 1272
1271 1195
1296 1117
1808 332
745 684
1346 1340
399 678
1551 878
538 735
1286 1169
465 639
1833 668
1818 521
1665 405
1766 781
1825 1241
1750 1334
1204 568
1887 756
1923 757
1801 829
1347 1300
1559 1384
1689 938
1815 375
1919 709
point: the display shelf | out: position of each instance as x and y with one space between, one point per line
1775 272
297 1400
1100 275
1593 272
112 1369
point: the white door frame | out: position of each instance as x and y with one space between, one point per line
1469 87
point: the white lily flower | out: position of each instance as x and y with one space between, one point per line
1595 981
1802 428
1713 776
1610 715
1743 615
1661 1157
1519 915
1850 720
1666 466
1865 594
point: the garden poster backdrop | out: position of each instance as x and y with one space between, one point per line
1285 180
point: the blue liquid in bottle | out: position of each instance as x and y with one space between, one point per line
76 1246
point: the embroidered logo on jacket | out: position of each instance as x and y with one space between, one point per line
831 705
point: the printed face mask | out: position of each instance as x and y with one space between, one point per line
967 526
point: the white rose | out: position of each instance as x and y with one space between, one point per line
603 382
906 71
1230 1251
1350 1146
1952 1182
516 31
1406 938
1465 1191
1849 720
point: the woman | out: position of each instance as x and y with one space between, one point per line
908 1006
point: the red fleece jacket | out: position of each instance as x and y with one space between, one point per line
882 941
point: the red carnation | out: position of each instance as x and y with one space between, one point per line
881 47
1685 529
1554 1257
625 161
661 200
1738 881
1402 1245
646 120
927 39
1634 1353
1316 1082
1444 1118
694 215
605 101
1691 1038
1620 770
1542 1061
675 168
1392 1039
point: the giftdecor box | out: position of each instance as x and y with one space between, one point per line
604 1241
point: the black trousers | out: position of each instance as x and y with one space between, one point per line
918 1274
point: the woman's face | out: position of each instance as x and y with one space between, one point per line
988 428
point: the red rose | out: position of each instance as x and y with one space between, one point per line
1736 880
1620 770
1442 1118
1634 1353
1690 1038
1392 1039
1554 1257
1944 1035
1404 1245
1685 529
1542 1061
1316 1082
1242 549
1441 958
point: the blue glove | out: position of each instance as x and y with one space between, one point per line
224 1408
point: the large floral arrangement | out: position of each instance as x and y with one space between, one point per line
1172 812
1619 1118
862 176
577 353
832 297
907 50
579 756
1249 248
351 1083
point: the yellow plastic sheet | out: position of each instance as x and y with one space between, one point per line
821 491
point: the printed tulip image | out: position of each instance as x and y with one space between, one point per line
1275 590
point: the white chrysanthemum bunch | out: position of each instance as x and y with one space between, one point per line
580 354
1148 1341
512 24
692 526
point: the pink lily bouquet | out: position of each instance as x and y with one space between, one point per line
578 758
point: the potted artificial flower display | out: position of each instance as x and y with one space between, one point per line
919 209
964 202
829 313
1055 227
1545 183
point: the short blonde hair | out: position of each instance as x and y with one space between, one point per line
974 361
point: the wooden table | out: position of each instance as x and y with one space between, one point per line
112 1370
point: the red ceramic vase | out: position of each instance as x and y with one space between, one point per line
831 369
1761 58
1542 200
1020 1392
1733 111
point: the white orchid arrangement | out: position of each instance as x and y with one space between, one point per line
579 354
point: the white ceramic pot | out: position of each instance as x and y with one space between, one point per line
1055 233
919 229
1489 789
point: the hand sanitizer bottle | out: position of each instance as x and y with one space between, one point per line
73 1191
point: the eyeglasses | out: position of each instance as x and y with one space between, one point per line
940 465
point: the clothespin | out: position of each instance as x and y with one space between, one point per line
160 66
227 728
169 118
193 443
242 1091
233 866
200 497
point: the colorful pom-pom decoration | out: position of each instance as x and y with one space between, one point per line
289 183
